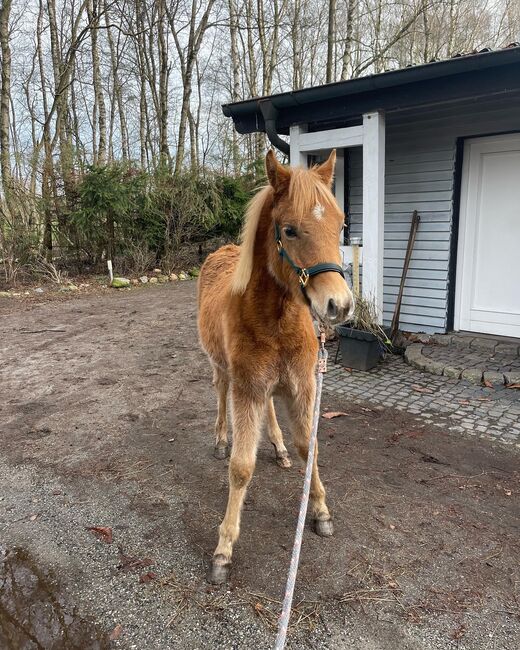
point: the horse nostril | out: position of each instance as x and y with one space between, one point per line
332 309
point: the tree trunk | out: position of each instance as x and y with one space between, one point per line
331 41
5 93
93 16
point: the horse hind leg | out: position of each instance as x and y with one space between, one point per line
221 383
275 436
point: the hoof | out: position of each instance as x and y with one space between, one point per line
221 451
219 570
324 527
283 460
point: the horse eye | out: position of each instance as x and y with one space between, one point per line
290 232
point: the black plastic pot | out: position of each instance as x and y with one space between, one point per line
359 350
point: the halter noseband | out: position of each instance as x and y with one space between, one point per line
303 273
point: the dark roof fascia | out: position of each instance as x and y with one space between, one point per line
465 76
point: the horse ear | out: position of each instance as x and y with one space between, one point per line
277 174
326 170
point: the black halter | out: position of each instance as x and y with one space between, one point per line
303 273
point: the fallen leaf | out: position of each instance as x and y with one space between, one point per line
487 383
104 533
116 632
259 607
458 632
421 389
129 562
328 415
392 527
33 517
435 513
147 577
517 385
347 369
465 402
483 399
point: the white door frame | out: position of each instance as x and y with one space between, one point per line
371 136
469 191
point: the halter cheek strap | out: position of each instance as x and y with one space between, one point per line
304 273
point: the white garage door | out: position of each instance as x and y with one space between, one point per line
487 296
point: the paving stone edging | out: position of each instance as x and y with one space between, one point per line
414 357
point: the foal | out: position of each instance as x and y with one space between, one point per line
255 324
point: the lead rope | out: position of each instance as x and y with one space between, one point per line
283 622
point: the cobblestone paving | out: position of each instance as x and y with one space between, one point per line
448 403
471 358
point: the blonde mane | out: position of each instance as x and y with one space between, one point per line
244 267
306 190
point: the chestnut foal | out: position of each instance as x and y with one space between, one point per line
255 324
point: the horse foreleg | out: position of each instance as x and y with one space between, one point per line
301 407
275 436
221 383
247 418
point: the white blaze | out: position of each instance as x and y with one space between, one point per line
318 211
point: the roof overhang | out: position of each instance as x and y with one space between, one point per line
469 76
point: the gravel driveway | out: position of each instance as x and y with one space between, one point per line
106 422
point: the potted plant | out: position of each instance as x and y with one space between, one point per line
362 340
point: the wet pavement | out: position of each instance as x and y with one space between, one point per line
35 614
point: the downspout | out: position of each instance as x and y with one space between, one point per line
269 113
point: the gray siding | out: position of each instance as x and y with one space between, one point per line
420 168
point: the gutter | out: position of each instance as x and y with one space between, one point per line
269 113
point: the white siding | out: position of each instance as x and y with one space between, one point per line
420 174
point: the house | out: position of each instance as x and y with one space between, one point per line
441 138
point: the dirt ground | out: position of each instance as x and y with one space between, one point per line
106 420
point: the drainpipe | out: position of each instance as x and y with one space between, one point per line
269 113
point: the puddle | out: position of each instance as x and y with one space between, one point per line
34 614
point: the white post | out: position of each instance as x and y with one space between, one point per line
298 158
373 207
339 179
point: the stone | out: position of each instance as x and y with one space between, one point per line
474 375
39 290
69 287
183 276
120 283
163 278
442 339
495 378
194 272
452 372
482 343
512 377
135 281
434 366
419 337
5 294
413 353
174 277
153 280
157 271
144 279
507 348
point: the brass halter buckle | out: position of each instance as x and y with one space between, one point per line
304 277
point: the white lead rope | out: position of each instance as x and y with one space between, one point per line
283 623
